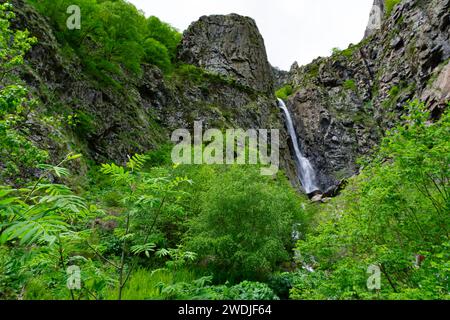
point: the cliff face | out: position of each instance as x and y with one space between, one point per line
233 88
231 46
344 103
341 106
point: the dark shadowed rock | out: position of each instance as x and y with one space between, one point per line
229 45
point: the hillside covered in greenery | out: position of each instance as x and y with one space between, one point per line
80 195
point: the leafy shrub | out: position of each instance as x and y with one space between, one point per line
284 92
165 34
281 283
201 289
114 37
335 51
157 54
244 224
252 291
18 155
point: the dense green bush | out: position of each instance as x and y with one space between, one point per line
201 289
165 34
244 223
284 92
156 53
114 36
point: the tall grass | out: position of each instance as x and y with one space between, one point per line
144 284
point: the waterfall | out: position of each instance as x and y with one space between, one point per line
306 172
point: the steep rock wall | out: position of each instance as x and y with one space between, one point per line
344 103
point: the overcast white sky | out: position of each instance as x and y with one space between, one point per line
293 30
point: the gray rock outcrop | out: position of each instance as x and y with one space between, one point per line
231 46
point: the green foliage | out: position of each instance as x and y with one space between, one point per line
114 37
146 284
82 123
281 283
165 34
394 212
394 91
389 6
13 44
335 51
38 231
350 84
148 199
284 92
252 291
347 53
201 289
244 221
157 54
18 155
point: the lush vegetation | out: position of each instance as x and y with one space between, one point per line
147 229
15 106
284 92
114 37
394 215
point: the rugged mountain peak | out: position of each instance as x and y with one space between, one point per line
230 45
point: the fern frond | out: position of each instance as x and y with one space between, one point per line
54 189
136 162
37 229
69 203
59 171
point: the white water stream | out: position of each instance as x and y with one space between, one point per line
306 172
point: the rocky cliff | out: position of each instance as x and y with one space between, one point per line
227 82
341 106
344 103
229 45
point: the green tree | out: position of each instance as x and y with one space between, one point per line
165 34
145 198
40 221
17 154
244 225
114 38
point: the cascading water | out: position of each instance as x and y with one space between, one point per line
306 172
